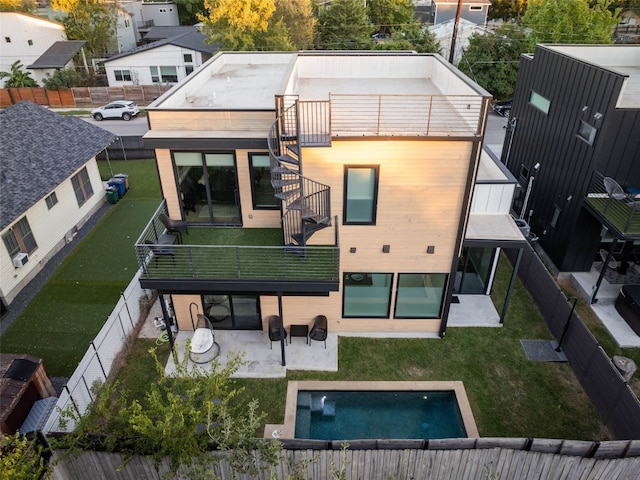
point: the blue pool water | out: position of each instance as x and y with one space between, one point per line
351 415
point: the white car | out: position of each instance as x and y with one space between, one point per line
124 109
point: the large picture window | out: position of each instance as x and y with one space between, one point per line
82 186
164 74
19 238
360 195
366 295
261 189
420 295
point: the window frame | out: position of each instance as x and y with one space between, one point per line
346 277
81 183
252 176
374 199
124 74
557 211
539 102
21 235
589 138
189 59
51 200
445 280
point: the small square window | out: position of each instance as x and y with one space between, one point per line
30 42
587 132
51 200
188 58
538 101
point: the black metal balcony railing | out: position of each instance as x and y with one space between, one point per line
620 212
231 262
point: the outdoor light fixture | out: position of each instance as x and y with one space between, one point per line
431 249
352 250
386 248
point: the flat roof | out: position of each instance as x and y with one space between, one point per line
621 59
493 227
250 80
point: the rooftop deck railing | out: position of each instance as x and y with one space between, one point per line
231 262
406 115
620 212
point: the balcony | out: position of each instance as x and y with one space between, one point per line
616 209
233 260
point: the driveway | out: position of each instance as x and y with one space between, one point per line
136 127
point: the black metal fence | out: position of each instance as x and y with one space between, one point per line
601 381
126 148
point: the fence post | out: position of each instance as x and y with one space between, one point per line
126 305
99 361
566 325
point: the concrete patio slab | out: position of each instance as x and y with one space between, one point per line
473 311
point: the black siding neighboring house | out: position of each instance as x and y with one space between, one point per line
578 89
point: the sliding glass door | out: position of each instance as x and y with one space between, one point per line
208 187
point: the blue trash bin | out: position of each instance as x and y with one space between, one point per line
125 177
119 184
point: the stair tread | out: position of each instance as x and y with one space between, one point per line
286 194
283 182
288 159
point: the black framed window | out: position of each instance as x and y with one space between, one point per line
366 295
188 58
360 194
420 295
19 238
122 75
82 186
51 200
555 216
587 132
261 189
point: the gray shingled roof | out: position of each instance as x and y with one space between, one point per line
39 149
58 54
162 32
193 40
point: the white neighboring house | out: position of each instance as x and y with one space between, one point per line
444 31
25 37
49 187
164 61
126 35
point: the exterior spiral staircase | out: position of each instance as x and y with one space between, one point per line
306 205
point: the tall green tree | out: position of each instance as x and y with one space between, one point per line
300 22
91 20
188 10
241 25
507 9
17 77
390 15
570 21
492 60
344 25
411 36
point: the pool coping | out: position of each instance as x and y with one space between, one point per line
287 430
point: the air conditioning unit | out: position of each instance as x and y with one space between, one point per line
20 260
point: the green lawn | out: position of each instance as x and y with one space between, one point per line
71 308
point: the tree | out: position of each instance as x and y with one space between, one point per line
90 20
390 15
570 21
344 25
17 78
182 418
492 60
188 10
21 458
507 9
297 16
245 25
412 36
26 6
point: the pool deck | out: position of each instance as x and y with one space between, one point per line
287 430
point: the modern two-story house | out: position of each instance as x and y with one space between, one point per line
573 142
332 183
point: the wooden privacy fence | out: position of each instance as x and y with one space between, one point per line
82 96
608 391
486 462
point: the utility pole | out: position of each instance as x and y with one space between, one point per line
454 34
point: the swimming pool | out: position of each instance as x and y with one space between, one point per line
377 410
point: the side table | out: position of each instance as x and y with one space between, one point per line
299 331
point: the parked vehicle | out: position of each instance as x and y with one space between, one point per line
124 109
502 108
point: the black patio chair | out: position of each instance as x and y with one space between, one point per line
173 226
319 330
160 251
275 331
